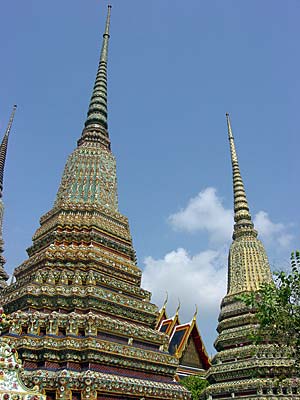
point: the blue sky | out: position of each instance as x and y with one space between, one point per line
175 68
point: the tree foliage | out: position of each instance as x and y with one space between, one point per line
195 384
277 307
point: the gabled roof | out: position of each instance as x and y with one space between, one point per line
161 316
180 338
167 325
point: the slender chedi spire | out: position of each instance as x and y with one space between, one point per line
3 147
90 173
96 122
248 263
242 217
3 150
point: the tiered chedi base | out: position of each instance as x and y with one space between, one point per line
81 322
245 370
97 328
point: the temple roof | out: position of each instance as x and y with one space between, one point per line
161 317
180 338
167 325
181 334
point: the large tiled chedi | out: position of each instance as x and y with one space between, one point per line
242 369
82 324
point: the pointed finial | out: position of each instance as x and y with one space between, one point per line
242 217
106 32
11 119
95 129
166 300
3 147
106 36
196 312
178 307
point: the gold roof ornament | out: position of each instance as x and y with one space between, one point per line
162 315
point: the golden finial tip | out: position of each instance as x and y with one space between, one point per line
196 311
227 114
178 308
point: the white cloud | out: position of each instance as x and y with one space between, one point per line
205 212
201 278
272 232
198 279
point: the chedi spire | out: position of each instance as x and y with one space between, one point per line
3 147
96 123
255 269
242 217
90 173
3 151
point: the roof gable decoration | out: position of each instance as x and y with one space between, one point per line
167 325
180 338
